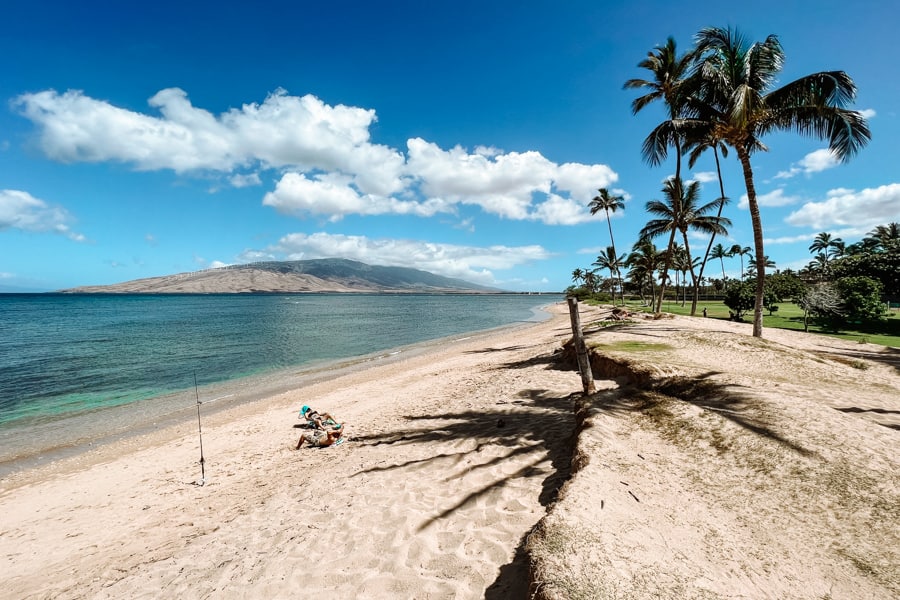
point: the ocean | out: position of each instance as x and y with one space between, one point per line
78 369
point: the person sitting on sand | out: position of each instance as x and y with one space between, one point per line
316 420
320 438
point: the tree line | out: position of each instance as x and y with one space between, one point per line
719 96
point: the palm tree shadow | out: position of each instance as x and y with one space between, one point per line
523 431
887 355
727 401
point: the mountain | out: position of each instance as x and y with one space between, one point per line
322 275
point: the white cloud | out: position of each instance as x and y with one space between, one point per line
772 199
470 263
868 113
862 210
705 177
814 162
506 184
283 131
240 180
333 196
556 210
331 167
21 210
789 239
583 181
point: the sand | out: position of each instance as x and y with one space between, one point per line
449 483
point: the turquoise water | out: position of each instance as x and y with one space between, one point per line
64 357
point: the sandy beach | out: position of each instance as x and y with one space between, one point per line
708 465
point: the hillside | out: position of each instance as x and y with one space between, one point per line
322 275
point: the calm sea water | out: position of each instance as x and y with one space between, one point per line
66 360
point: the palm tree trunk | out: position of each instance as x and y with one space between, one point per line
665 277
612 242
713 236
694 278
756 221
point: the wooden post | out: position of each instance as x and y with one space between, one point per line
584 362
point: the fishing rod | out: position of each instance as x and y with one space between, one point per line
200 428
200 431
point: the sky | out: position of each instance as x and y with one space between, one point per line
462 138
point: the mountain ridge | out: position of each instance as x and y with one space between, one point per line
310 276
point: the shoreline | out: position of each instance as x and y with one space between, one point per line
478 469
23 449
453 455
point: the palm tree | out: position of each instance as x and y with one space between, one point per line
719 251
824 243
817 269
737 250
577 275
697 146
767 262
609 203
670 75
592 281
609 260
735 101
678 213
644 261
883 236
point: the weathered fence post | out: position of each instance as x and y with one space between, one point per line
584 362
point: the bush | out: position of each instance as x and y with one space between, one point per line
740 299
861 297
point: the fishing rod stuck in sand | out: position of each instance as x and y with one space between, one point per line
200 430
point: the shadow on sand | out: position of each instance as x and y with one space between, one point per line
542 423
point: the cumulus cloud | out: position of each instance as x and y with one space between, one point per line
21 210
241 180
330 166
506 183
471 263
861 210
334 197
705 176
283 131
772 199
814 162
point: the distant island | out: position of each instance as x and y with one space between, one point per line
320 275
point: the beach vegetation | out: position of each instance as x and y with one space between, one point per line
609 203
722 91
670 73
680 212
740 299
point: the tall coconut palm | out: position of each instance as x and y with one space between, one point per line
592 281
644 261
608 203
680 212
767 262
741 251
577 275
826 244
696 147
719 251
670 76
609 260
883 236
734 97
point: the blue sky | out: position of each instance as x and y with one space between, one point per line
462 138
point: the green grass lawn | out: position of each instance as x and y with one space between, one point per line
790 316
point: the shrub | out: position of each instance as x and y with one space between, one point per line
862 298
